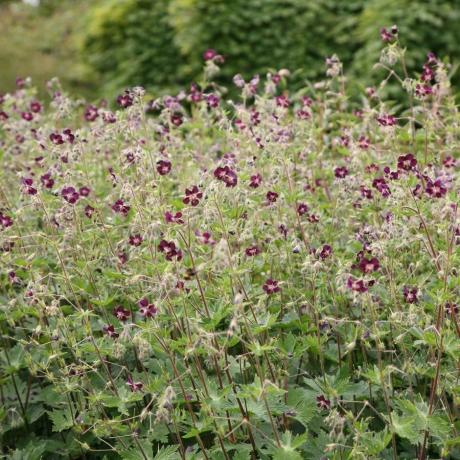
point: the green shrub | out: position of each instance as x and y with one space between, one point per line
130 42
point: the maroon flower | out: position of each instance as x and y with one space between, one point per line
368 265
125 100
282 101
357 285
192 196
122 257
177 119
341 172
272 196
436 188
120 207
110 331
121 313
212 100
56 139
410 294
323 403
84 191
271 286
135 240
302 209
47 181
255 180
365 192
451 309
386 120
35 107
27 116
163 167
5 221
134 386
326 251
171 218
89 211
70 195
364 142
147 309
381 185
226 175
169 249
407 162
205 238
27 186
252 251
209 54
91 113
68 136
449 162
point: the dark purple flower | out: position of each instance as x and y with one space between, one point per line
135 240
121 313
110 331
410 294
212 100
369 265
91 113
27 116
226 175
5 221
163 167
209 54
282 101
171 218
125 100
449 162
147 309
134 386
451 309
341 172
255 180
381 185
252 251
192 196
169 249
177 119
89 211
84 191
407 162
68 136
302 209
205 238
323 403
35 107
364 142
436 188
70 195
357 285
326 251
272 196
120 207
271 286
56 139
47 181
27 186
386 120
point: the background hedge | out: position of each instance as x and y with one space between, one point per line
159 43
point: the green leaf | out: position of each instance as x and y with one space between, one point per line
61 418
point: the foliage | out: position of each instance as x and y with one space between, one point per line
131 42
42 43
273 277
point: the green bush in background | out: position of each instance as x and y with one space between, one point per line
102 46
131 42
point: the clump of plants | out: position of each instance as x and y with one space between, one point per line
273 277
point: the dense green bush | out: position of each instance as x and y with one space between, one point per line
130 42
158 44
